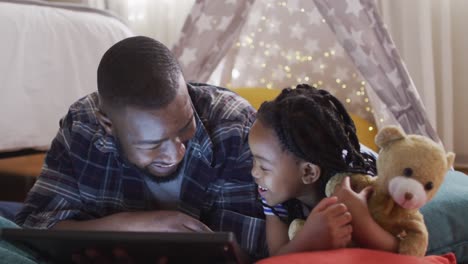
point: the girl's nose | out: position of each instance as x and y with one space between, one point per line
255 172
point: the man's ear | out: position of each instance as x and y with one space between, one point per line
105 122
310 173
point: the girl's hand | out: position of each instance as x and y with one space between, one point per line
329 223
355 202
366 232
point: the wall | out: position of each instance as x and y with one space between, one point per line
460 72
431 36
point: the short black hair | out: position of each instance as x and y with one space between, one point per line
314 125
138 71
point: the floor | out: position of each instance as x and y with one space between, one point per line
17 175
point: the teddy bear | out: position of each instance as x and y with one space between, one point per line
410 169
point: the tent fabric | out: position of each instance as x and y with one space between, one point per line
208 34
341 46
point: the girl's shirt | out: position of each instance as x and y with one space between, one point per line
287 211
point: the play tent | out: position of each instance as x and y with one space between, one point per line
341 46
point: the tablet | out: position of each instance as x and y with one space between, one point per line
144 247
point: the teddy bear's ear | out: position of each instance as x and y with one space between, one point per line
450 159
389 134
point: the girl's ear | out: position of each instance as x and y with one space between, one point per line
105 122
310 173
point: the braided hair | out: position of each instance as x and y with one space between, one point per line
314 125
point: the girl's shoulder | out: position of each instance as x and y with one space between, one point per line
287 211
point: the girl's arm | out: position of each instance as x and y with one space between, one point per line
366 231
326 227
371 235
276 234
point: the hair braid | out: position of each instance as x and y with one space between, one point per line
355 158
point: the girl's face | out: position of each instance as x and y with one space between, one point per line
279 174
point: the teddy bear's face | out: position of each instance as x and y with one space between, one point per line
412 169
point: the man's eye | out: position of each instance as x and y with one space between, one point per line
150 147
189 129
188 135
264 169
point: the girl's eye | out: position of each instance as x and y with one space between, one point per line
255 163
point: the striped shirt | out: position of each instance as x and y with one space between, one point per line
277 210
84 177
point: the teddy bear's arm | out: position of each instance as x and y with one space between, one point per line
294 227
361 181
358 182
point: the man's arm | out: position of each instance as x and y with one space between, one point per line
55 194
235 205
156 221
56 200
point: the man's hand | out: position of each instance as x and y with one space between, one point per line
150 221
173 221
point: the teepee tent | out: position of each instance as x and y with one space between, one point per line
342 46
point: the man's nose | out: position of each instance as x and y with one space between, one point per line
175 151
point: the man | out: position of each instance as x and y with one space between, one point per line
149 152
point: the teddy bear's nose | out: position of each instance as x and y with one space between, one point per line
408 196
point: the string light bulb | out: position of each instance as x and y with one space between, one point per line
296 63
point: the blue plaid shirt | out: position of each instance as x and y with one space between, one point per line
85 178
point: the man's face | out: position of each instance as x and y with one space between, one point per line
155 140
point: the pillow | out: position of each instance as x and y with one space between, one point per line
446 217
256 96
8 210
14 253
356 255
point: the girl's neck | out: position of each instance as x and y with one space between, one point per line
310 198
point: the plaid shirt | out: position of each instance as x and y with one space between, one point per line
85 178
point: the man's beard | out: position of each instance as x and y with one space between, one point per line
145 171
159 179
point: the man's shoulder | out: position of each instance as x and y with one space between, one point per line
84 109
81 131
218 103
81 117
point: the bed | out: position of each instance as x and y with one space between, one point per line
49 55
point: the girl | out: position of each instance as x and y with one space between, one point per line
298 142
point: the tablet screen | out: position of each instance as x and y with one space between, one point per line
143 247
